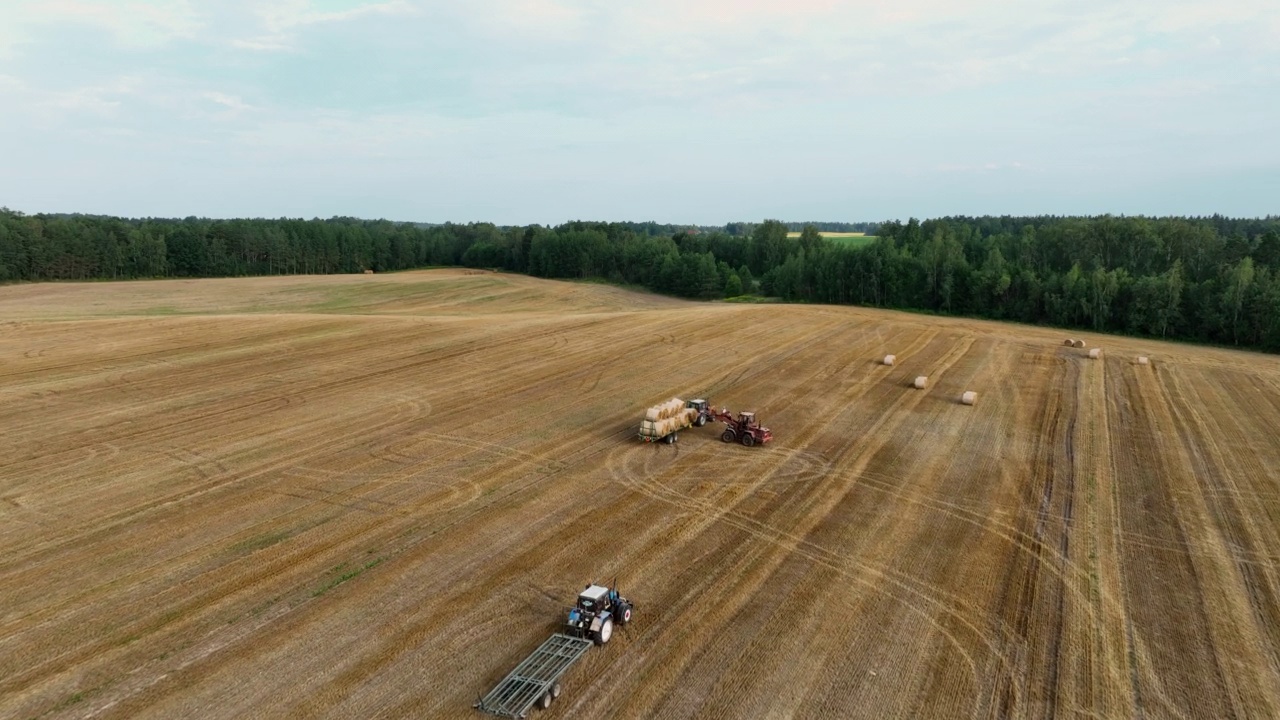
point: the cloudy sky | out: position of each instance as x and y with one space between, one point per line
706 111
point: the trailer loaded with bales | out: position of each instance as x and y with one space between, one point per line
664 421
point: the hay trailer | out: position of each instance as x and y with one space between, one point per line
536 680
663 422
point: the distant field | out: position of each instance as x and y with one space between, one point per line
855 239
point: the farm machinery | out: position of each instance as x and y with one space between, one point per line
663 423
599 608
536 680
744 428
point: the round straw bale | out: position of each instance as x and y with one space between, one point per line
1095 353
1069 342
969 397
1142 360
921 382
888 359
1078 343
653 414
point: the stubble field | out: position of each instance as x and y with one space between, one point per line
370 496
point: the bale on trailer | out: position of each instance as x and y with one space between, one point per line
671 408
969 397
1142 360
1095 353
888 359
921 382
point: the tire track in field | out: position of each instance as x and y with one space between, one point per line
367 668
1231 523
190 609
799 545
1151 476
521 483
178 428
623 431
688 532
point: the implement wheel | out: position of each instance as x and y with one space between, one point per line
555 690
748 440
728 436
544 702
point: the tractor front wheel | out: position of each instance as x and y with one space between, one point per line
702 420
728 436
624 614
748 440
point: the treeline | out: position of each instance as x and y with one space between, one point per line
1210 279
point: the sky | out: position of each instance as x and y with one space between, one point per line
681 111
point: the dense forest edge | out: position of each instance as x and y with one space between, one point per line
1211 279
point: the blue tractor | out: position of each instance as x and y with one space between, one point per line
599 608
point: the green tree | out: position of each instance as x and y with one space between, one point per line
1239 281
733 288
811 240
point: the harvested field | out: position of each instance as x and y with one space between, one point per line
852 239
372 495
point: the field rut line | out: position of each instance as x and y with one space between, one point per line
797 544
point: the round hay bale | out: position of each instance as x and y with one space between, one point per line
888 359
1078 343
921 382
1142 360
1069 342
1095 353
653 414
969 397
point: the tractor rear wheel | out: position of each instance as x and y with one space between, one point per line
728 436
748 440
605 632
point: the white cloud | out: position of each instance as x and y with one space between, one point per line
288 14
265 43
134 23
282 20
229 101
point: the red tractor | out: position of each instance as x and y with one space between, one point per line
744 428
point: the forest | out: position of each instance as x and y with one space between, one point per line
1206 279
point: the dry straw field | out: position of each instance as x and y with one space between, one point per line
369 496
